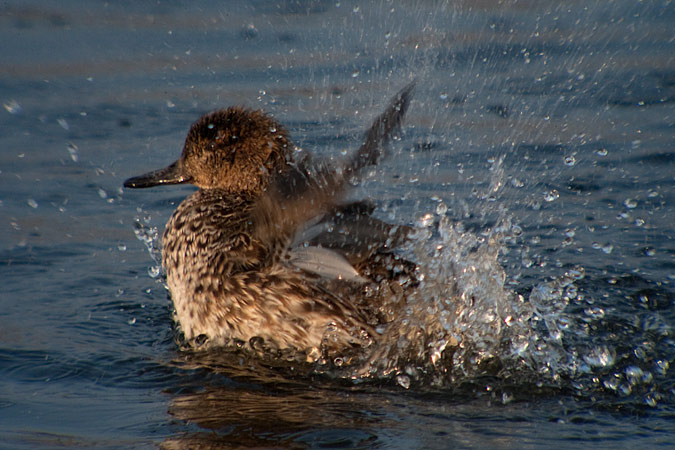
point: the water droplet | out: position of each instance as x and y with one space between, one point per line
102 193
63 123
12 107
551 195
506 398
356 9
595 312
630 203
570 160
425 221
154 271
607 248
441 209
72 150
122 247
662 366
444 96
32 203
403 381
633 374
355 74
601 152
132 321
612 383
564 323
170 104
640 351
600 356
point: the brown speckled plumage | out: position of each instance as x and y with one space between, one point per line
227 249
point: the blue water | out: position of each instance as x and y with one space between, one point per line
550 123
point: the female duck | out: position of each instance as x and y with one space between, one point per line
233 270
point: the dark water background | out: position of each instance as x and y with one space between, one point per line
556 117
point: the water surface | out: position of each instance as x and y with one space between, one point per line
538 150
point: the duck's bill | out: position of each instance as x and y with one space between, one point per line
168 175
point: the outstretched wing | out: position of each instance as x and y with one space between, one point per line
306 192
381 131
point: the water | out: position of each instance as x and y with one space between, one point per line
537 162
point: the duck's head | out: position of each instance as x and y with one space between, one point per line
232 149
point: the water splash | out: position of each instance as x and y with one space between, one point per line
149 236
465 320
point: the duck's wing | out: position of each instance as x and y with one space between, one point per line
351 231
324 262
331 178
381 131
306 192
343 239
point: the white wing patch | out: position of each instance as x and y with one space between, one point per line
325 263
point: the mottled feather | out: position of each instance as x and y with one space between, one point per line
228 248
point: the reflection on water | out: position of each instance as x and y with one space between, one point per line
275 405
270 404
536 165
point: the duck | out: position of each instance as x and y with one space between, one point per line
267 255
